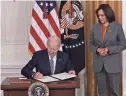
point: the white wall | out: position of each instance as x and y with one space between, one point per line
124 53
15 25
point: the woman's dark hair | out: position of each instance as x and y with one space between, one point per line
108 11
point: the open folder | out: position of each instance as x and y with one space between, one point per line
56 77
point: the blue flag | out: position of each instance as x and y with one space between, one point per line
72 23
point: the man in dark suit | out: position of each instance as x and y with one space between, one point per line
48 62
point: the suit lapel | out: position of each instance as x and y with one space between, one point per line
48 63
57 62
108 33
99 32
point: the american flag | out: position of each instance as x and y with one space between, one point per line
64 23
44 23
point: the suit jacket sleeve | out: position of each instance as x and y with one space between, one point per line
92 44
121 42
28 69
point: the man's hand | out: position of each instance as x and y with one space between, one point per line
38 75
71 72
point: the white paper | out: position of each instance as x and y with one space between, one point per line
22 78
47 79
60 76
63 76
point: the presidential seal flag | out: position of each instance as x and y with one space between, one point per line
72 23
44 23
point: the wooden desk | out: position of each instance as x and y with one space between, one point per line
20 88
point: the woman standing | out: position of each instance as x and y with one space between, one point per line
107 41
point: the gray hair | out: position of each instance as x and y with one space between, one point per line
54 39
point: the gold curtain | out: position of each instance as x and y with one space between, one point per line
90 18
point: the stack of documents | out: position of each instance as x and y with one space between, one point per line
56 77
